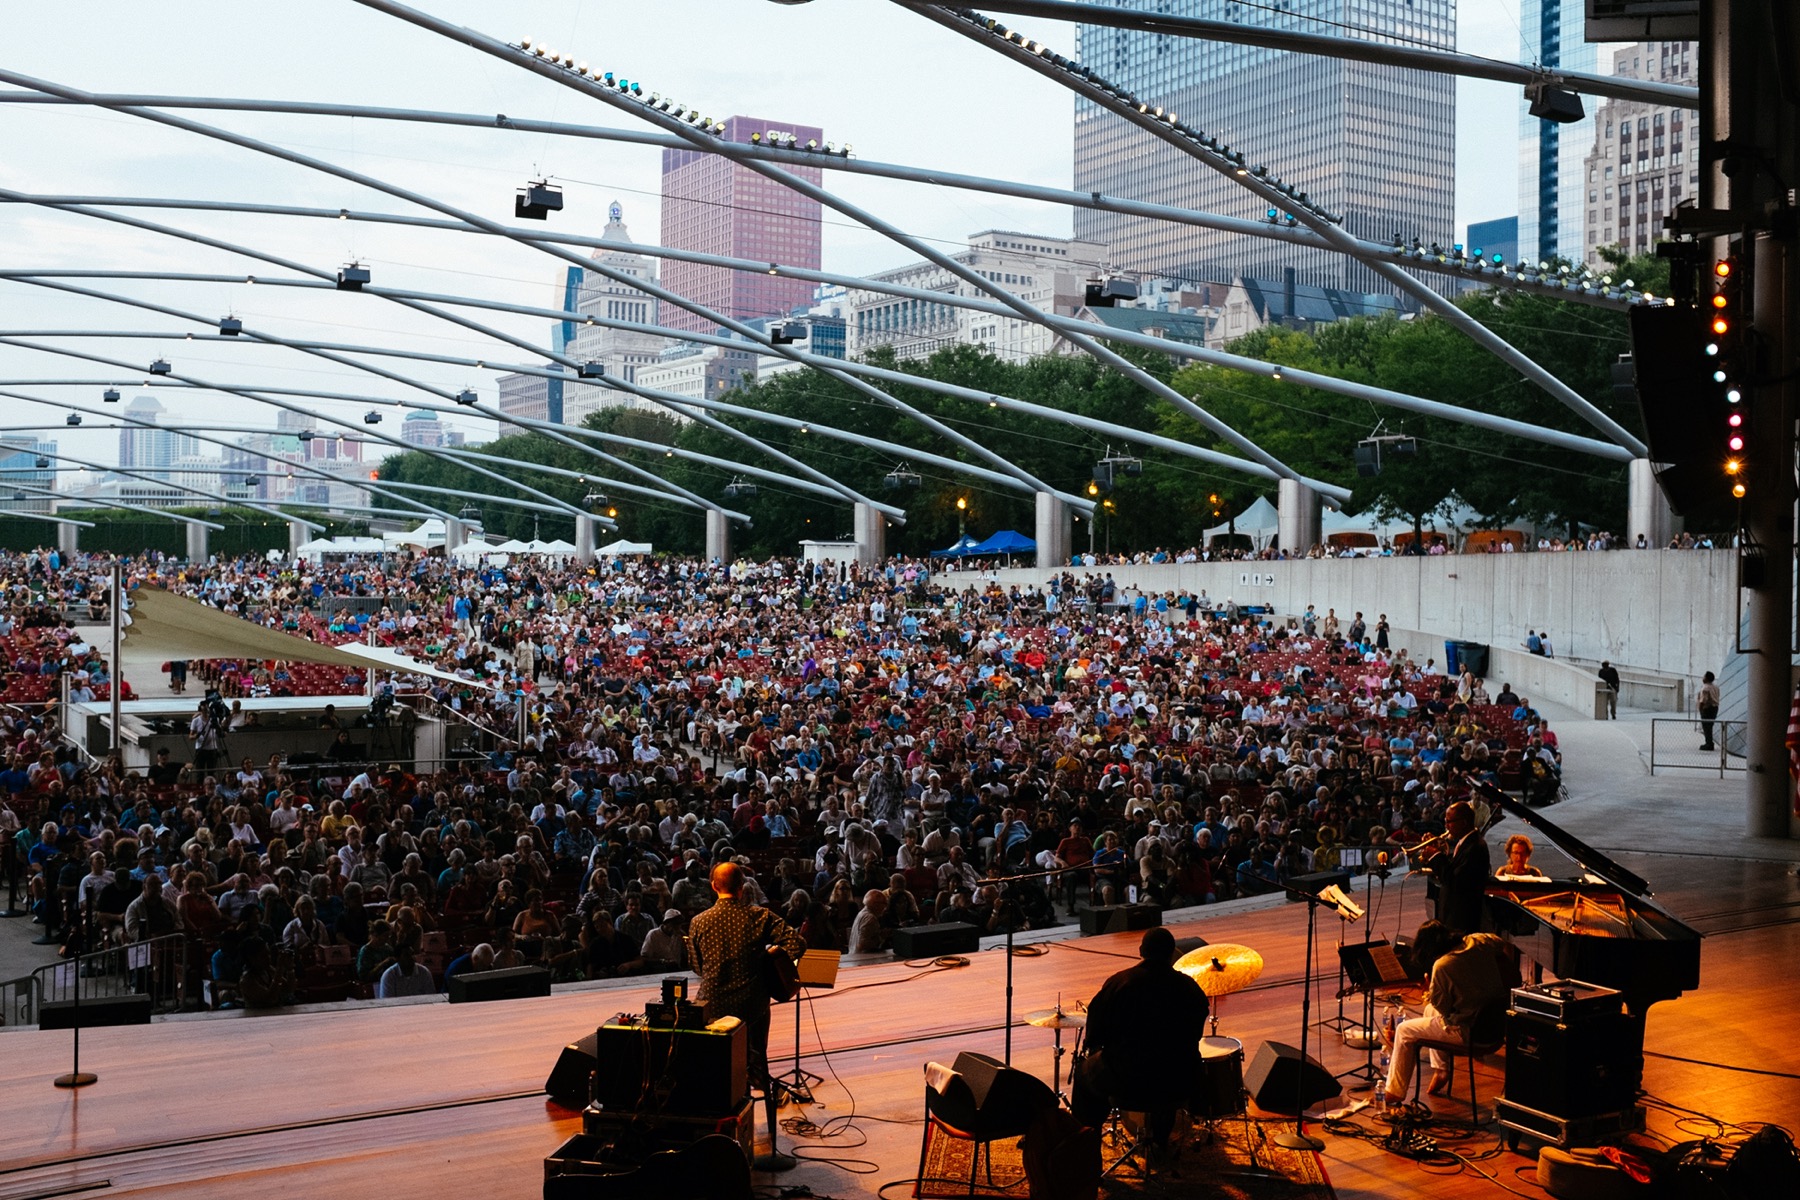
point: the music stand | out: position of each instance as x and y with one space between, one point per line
819 969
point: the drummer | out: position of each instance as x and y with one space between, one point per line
1143 1041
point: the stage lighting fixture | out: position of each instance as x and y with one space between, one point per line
537 200
160 367
230 326
110 395
352 277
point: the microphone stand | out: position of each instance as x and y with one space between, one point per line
1014 915
1299 1139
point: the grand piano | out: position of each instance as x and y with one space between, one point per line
1603 928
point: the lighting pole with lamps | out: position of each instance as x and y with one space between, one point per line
962 512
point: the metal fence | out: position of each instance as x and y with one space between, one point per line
1676 745
158 968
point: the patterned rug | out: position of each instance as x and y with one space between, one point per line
1221 1169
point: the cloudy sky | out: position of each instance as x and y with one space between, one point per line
897 87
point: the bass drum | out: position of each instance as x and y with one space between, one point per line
1219 1092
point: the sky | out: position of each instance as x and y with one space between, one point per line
895 86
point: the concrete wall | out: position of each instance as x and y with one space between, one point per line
1662 612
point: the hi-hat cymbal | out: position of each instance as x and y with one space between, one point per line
1051 1018
1222 968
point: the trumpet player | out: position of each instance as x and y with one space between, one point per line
1458 864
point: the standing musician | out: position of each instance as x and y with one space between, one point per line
727 944
1459 870
1143 1041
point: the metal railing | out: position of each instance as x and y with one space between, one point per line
158 968
1675 745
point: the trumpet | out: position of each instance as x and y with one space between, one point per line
1409 851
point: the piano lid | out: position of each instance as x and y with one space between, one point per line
1585 856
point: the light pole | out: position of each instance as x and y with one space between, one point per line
962 512
1107 504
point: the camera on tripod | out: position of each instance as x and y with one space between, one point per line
214 707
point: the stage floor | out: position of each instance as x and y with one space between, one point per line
447 1100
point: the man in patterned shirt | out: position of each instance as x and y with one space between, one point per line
726 945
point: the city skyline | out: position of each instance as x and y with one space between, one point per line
757 59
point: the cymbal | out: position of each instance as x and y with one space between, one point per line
1222 968
1050 1018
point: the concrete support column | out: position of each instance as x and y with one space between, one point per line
68 541
718 536
1298 526
1768 510
1053 535
584 539
196 544
871 534
298 536
455 534
1647 509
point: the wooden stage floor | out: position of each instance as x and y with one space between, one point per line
447 1101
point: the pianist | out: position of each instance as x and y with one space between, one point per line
1518 861
1471 979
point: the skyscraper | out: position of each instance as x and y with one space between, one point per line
620 351
1551 183
715 206
152 449
1373 143
1644 160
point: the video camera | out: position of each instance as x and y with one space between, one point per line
214 707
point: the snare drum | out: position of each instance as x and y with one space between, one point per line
1219 1092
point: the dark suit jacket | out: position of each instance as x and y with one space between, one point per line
1462 879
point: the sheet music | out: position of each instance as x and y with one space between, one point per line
1387 964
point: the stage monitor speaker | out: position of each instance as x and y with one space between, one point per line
571 1082
95 1011
509 983
1315 883
1277 1076
934 941
701 1072
1119 918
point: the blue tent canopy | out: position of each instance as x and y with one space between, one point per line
1005 542
964 547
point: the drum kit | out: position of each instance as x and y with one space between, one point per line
1219 970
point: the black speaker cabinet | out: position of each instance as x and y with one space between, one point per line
509 983
934 941
95 1011
1278 1076
704 1073
1579 1068
1119 918
571 1082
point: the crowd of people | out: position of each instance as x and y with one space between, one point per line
874 748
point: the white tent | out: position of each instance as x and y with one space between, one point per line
1260 523
622 546
318 548
515 546
472 551
429 533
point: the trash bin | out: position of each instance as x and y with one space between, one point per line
1451 657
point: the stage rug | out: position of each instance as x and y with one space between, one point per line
1215 1170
